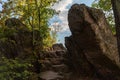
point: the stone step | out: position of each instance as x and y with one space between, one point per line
56 61
60 68
53 54
50 75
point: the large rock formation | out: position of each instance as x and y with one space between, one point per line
92 48
53 64
91 52
16 40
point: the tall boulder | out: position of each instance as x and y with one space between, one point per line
92 48
16 40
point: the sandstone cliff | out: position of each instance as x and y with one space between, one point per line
92 48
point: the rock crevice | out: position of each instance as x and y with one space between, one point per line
92 48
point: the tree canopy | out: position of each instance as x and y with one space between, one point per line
106 6
34 13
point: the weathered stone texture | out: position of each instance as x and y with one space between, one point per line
90 54
92 46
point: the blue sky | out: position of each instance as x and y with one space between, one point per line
63 6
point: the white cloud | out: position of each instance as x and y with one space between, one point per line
62 6
63 17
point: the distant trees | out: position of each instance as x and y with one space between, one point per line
55 28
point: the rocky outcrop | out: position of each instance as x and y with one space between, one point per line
15 43
53 64
92 48
90 53
16 40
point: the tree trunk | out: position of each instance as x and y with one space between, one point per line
116 10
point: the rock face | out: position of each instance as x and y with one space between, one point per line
53 64
14 22
16 40
91 52
92 48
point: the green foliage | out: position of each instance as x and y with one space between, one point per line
106 6
34 13
103 4
6 32
14 69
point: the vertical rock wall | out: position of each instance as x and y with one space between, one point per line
92 48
